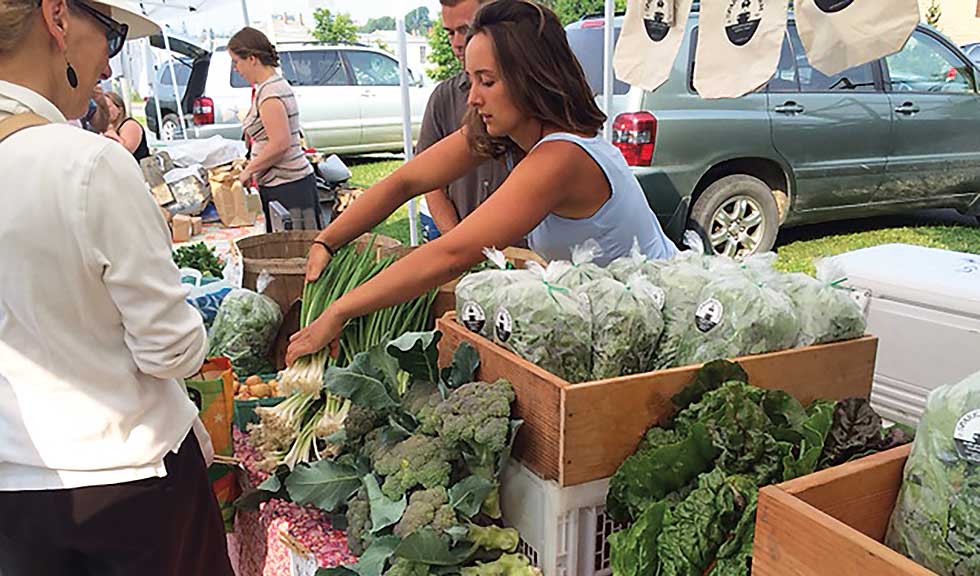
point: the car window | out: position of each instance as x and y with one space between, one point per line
315 68
786 78
237 81
372 69
926 65
181 70
587 44
857 79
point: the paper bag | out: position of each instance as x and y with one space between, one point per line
842 34
739 43
234 207
648 44
183 227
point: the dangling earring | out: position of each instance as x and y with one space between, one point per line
72 76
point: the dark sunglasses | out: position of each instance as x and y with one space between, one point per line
115 32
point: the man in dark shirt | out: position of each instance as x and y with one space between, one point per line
443 116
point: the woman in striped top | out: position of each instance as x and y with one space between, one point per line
279 165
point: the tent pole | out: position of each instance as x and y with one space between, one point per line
413 215
608 80
173 79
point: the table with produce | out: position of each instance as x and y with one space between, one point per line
392 459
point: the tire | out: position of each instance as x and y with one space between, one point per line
169 128
737 216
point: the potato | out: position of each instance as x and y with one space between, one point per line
274 387
253 380
238 386
260 390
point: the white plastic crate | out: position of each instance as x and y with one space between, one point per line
564 531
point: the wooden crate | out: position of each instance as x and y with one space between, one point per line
577 433
833 522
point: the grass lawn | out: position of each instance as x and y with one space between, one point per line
793 257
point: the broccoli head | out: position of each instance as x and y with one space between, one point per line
375 446
421 401
416 461
358 524
493 537
359 422
427 509
506 565
403 567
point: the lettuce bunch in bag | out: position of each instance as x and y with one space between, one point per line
546 324
624 268
581 270
936 521
245 328
477 293
827 313
737 316
627 322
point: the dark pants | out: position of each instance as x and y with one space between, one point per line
298 195
155 527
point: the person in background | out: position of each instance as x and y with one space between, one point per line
443 116
528 95
278 162
124 129
101 470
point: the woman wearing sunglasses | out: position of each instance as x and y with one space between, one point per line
100 472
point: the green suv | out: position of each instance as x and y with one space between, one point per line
899 133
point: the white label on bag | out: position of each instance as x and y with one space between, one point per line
831 6
742 20
504 325
967 436
474 318
709 315
302 565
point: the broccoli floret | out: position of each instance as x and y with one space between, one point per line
358 524
427 509
359 422
403 567
506 565
476 419
493 537
418 460
375 447
421 401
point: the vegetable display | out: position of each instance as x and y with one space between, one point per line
689 493
827 314
477 293
936 521
243 331
200 257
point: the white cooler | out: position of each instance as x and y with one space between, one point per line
924 306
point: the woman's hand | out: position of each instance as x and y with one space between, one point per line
323 332
245 178
316 262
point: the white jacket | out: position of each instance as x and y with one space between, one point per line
95 332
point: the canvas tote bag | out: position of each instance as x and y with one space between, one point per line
652 33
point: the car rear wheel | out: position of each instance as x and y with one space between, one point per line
170 128
737 216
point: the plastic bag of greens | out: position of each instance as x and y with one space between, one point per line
627 322
624 268
244 330
581 270
736 316
476 294
936 521
546 324
827 313
682 280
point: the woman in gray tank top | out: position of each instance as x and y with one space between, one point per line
529 98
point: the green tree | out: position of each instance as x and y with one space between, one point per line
330 29
382 45
569 11
418 21
444 62
375 24
934 13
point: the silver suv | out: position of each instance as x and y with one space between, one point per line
349 97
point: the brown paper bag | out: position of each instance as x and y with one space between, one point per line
230 200
739 43
183 228
842 34
653 31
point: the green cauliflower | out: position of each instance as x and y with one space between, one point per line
506 565
427 509
416 461
493 537
358 524
420 402
403 567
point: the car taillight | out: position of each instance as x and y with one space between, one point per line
635 134
203 110
594 24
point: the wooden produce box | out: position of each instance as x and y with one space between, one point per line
833 522
577 433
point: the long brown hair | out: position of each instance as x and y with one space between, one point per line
542 74
249 42
119 103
